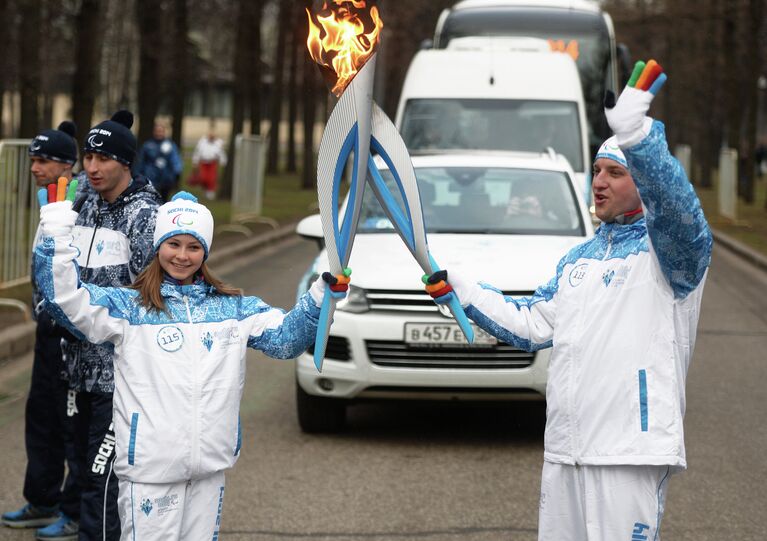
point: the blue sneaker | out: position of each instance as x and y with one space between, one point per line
64 529
30 516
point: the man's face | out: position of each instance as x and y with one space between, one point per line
614 190
158 132
107 176
47 171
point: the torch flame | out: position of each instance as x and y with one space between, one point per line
339 42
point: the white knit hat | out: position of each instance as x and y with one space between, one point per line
612 151
183 215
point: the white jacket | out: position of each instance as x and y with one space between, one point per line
621 314
178 375
208 150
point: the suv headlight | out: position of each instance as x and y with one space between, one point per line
356 300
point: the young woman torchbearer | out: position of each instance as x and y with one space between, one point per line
180 337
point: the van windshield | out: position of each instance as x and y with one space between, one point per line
492 200
492 124
585 36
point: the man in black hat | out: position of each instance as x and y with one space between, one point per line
114 233
52 154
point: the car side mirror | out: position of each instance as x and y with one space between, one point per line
310 228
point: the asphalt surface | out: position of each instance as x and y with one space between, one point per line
463 472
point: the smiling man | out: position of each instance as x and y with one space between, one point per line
620 315
114 234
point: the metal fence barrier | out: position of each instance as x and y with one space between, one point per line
248 184
19 213
728 183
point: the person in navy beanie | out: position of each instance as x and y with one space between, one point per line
114 237
57 145
52 493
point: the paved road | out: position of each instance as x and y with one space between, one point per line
434 472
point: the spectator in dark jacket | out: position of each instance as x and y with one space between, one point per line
160 161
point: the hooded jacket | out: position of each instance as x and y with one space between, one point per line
621 315
115 244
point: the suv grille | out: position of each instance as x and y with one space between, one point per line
398 354
412 300
337 349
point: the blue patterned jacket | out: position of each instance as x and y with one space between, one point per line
621 315
115 244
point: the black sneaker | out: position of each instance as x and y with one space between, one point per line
31 516
64 529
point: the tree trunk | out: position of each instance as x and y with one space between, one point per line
29 60
240 92
310 92
751 75
86 79
148 16
295 40
255 66
278 64
181 75
4 45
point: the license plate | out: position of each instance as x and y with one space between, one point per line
444 334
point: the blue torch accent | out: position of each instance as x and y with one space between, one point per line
402 223
321 340
343 237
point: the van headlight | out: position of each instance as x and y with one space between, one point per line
356 300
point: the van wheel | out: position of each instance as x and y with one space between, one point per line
318 414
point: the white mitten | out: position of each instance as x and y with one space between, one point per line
628 116
57 219
440 284
339 286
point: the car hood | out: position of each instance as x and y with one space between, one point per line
508 262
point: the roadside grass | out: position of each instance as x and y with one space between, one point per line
750 228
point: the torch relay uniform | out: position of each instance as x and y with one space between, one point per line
179 374
621 315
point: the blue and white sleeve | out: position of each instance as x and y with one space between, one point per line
526 323
679 234
278 334
92 313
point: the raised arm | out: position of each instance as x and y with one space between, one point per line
89 312
679 234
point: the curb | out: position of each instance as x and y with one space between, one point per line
738 248
19 339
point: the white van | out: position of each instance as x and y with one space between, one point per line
479 94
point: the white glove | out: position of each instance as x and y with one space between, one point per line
339 286
628 116
57 219
461 286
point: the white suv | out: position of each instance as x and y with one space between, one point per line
504 218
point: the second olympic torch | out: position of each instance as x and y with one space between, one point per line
343 43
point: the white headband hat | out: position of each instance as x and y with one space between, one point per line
183 215
612 151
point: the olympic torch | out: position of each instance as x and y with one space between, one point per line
343 43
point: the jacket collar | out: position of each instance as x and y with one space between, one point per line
170 288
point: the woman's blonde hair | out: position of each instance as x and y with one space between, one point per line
149 281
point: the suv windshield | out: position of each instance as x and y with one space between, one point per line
491 124
485 200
